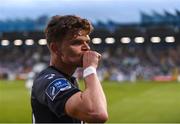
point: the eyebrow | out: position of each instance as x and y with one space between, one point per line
80 40
87 39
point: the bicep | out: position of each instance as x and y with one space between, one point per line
77 108
71 106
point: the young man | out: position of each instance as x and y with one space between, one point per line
55 93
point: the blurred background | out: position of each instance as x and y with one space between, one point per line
138 40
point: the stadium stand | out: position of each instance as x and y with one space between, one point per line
148 50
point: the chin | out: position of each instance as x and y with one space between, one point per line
77 63
80 65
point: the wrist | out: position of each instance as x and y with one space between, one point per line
88 71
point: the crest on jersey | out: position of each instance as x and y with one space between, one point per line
56 86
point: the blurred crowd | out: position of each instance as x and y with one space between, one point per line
120 64
141 63
17 62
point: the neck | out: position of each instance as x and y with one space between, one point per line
63 67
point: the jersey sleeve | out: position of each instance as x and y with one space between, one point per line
57 92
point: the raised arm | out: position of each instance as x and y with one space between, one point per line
89 105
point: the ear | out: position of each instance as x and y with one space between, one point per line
54 48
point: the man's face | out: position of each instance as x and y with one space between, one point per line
72 49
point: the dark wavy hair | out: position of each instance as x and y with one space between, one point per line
61 26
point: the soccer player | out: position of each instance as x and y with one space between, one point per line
55 93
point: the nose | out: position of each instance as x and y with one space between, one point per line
86 47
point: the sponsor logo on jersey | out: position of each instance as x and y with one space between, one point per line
57 86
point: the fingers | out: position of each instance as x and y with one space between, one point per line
91 58
94 54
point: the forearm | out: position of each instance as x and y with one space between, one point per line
93 100
94 95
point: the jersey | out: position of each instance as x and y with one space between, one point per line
51 89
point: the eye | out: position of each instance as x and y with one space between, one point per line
88 41
76 42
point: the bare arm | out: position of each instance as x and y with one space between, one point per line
89 105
